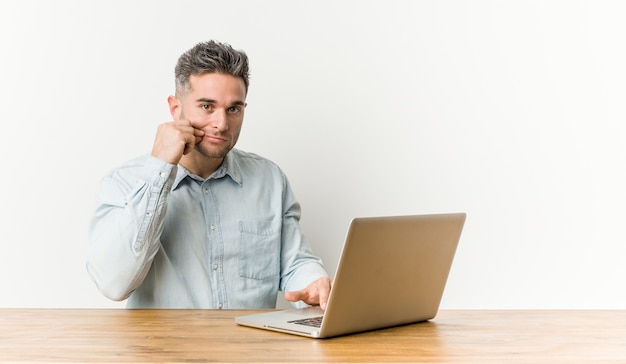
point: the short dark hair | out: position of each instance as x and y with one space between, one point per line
210 57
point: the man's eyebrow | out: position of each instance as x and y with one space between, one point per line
208 101
211 101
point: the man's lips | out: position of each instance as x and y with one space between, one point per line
215 138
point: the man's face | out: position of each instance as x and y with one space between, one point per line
215 104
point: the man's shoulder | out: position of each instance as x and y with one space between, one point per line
245 164
251 158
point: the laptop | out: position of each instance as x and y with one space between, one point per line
392 271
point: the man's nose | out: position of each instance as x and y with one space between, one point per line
219 120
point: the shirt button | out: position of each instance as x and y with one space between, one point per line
162 174
212 227
215 266
220 306
206 191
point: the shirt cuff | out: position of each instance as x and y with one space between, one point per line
158 172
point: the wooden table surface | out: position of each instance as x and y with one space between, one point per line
195 336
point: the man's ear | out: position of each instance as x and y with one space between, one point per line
175 107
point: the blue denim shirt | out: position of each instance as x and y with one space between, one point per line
163 237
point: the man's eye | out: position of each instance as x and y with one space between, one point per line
234 109
206 107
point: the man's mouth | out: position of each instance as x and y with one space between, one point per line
215 138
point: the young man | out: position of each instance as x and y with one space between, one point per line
198 224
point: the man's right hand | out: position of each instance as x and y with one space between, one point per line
175 139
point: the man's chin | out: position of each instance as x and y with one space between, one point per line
213 153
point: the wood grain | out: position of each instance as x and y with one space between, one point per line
198 336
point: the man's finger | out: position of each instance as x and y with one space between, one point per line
324 293
190 143
198 134
294 296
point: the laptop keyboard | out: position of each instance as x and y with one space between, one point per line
311 321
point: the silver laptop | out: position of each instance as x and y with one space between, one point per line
392 271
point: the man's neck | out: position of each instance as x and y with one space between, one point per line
200 165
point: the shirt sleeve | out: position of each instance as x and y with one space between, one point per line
128 221
299 266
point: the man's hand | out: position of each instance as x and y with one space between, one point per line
315 294
175 139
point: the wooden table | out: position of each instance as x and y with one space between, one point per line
118 335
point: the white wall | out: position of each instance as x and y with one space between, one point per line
512 111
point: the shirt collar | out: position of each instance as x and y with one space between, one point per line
230 167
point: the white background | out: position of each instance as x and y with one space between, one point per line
512 111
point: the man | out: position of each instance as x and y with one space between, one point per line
199 224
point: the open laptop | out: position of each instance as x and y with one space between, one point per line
392 271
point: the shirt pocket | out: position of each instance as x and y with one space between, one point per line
260 249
